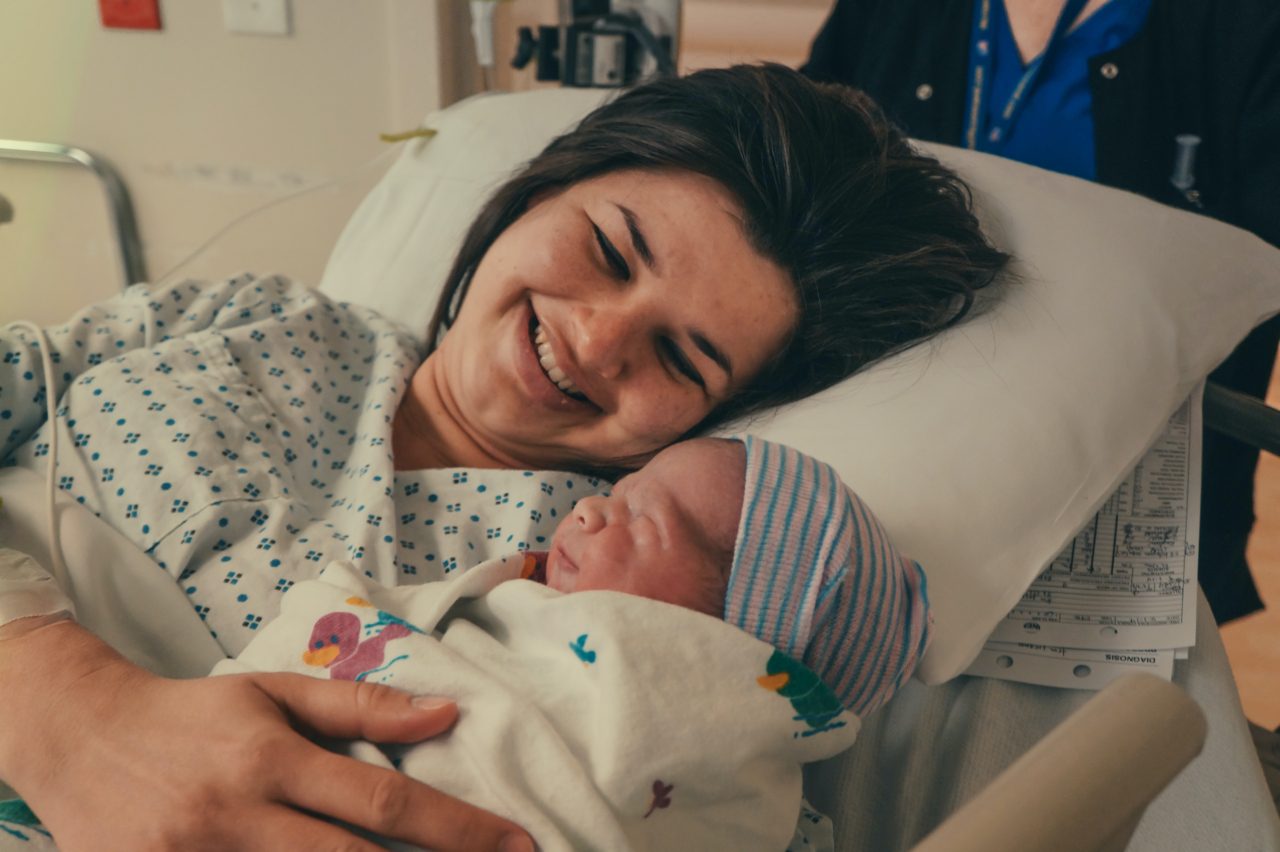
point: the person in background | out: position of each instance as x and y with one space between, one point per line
1178 100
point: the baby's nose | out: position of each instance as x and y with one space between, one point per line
589 514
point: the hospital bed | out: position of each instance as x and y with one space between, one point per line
935 746
1115 754
124 225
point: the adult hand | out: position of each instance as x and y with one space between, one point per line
100 749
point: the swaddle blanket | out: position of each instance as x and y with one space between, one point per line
596 720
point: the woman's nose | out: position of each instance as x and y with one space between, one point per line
607 341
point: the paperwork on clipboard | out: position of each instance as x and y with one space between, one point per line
1121 597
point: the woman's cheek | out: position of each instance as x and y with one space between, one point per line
660 414
558 266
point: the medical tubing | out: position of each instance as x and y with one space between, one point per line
59 565
148 324
265 207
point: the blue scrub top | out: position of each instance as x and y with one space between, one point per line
1054 129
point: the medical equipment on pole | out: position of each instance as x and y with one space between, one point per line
604 43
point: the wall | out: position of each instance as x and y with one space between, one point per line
204 125
722 32
714 33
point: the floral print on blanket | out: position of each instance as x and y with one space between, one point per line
661 797
579 648
17 820
815 704
351 649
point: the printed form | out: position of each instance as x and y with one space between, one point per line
1122 595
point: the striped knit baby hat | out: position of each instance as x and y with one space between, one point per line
815 576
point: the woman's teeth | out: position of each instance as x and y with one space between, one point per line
548 362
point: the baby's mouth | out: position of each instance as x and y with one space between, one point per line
562 573
547 360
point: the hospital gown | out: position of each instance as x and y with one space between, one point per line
240 434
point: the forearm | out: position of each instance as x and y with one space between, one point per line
47 669
85 737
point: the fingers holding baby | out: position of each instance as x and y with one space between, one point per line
250 779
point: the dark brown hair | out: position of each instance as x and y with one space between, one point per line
879 238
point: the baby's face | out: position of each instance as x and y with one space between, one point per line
665 532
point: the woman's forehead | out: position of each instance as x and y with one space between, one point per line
662 183
686 219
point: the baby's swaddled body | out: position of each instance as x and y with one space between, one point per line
596 720
647 692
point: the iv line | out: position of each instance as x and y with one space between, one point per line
267 206
58 564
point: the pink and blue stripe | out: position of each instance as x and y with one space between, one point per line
815 575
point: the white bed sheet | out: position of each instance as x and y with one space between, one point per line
934 747
917 759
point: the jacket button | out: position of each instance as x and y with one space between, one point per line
923 92
1110 70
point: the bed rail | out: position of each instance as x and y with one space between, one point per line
1084 787
121 207
1242 417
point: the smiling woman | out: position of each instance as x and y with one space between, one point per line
696 251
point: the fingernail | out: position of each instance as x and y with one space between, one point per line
515 843
429 702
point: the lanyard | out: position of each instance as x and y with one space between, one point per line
981 51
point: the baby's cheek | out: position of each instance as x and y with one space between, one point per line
710 578
691 592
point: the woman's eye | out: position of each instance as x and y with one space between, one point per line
674 356
612 256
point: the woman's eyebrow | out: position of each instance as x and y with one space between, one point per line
638 242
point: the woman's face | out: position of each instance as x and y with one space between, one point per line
610 319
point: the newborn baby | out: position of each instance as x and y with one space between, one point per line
722 617
765 537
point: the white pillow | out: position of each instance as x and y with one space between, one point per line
982 452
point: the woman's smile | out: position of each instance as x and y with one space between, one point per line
543 388
547 358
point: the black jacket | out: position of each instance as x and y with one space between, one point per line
1208 67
